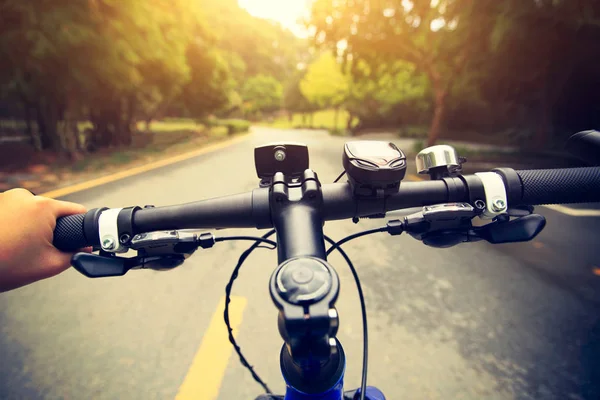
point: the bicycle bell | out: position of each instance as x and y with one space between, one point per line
438 161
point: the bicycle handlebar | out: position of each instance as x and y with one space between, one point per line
560 186
252 210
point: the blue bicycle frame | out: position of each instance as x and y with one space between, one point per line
335 393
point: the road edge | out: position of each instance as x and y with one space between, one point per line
78 187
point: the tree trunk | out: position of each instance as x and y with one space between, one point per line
126 116
312 118
29 128
71 142
44 138
47 116
439 112
335 118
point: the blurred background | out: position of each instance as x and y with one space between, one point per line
93 87
90 84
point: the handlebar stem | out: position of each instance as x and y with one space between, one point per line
296 216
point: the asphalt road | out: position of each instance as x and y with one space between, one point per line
476 321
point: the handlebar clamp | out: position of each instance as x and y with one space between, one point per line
305 289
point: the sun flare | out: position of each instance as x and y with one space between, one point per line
287 12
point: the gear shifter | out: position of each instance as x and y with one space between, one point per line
161 251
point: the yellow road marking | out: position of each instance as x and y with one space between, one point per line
138 170
204 377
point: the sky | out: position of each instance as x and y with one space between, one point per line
286 12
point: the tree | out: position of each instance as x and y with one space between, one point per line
293 99
261 93
435 36
387 93
101 56
324 84
117 62
210 86
263 46
536 47
143 46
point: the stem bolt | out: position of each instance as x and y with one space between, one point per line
499 205
108 243
280 155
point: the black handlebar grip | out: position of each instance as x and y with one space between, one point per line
69 234
560 186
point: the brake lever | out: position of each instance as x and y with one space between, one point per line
520 229
102 266
520 211
99 266
446 225
160 251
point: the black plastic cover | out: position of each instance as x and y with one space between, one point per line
374 164
292 164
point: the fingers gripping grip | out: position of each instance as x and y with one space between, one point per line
560 186
69 234
76 231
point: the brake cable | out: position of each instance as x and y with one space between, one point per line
363 309
354 236
251 238
339 177
334 246
228 288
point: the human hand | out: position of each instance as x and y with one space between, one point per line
26 231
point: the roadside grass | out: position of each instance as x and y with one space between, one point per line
324 119
172 125
167 138
231 126
183 134
413 131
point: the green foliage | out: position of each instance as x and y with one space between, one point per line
294 100
176 125
338 132
413 131
434 36
236 125
261 93
323 119
97 55
116 62
253 46
324 84
233 126
418 145
378 93
210 84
